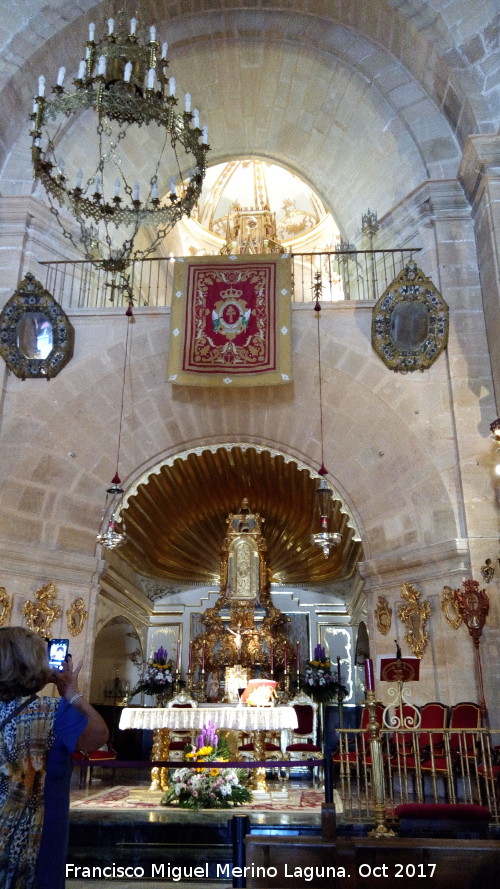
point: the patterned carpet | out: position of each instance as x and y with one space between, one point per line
129 798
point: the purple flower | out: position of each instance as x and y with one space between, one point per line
319 653
160 655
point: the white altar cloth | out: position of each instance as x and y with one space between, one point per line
237 718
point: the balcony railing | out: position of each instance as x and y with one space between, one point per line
348 275
456 766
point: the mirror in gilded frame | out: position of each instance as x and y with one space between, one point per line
410 322
36 336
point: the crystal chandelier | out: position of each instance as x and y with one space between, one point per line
124 95
321 534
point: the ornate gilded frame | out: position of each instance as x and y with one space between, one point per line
450 609
76 616
383 615
32 302
414 615
410 322
40 615
5 606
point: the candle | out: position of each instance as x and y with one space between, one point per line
272 658
136 191
117 188
178 656
79 178
60 76
111 26
101 68
285 658
81 70
133 26
172 186
298 656
204 135
196 118
151 78
164 50
152 34
127 74
338 669
190 660
369 681
41 85
91 32
154 189
187 103
171 86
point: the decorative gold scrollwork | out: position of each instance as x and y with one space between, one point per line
383 615
414 615
449 608
5 606
77 615
41 615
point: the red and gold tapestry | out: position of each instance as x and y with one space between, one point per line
231 321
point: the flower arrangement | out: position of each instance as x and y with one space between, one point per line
157 678
207 787
319 681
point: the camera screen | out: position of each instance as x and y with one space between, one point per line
58 649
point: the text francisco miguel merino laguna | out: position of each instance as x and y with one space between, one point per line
177 873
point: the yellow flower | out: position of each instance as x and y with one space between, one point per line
190 755
213 773
205 751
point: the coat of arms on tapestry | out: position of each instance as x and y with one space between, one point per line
231 321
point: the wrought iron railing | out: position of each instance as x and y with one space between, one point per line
347 275
456 766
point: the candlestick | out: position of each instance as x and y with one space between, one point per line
369 679
190 657
285 659
298 656
178 656
272 658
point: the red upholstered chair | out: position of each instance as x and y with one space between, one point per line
179 738
302 743
465 715
88 761
429 743
358 754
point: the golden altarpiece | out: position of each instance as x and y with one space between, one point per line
244 631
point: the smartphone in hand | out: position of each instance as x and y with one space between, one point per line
58 650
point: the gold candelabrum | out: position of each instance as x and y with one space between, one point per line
380 829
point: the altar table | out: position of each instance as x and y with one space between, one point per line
236 718
162 720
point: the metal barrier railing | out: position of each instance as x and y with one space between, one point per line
347 275
456 765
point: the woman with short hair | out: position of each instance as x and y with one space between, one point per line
29 727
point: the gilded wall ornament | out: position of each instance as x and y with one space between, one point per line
40 615
449 608
77 615
5 606
414 615
410 322
383 615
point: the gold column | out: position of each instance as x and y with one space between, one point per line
380 829
160 750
